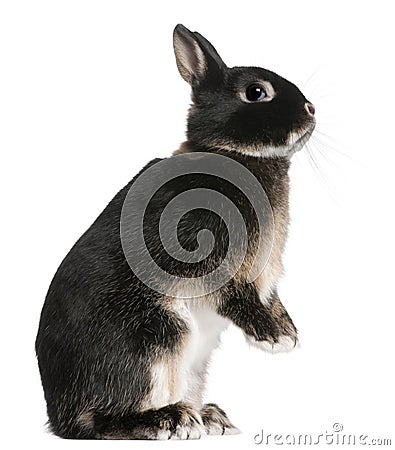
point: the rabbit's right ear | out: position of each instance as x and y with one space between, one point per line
196 58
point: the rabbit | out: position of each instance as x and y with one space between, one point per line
123 353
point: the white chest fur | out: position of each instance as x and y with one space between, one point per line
205 327
182 377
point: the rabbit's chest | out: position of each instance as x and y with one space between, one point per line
272 266
206 327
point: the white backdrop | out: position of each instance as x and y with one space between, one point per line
89 92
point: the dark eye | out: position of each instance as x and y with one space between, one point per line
255 93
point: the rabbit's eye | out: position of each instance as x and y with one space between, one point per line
255 93
260 91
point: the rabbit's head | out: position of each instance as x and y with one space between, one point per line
246 109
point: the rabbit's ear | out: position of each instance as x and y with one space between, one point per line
196 58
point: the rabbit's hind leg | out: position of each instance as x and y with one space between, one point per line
216 421
176 421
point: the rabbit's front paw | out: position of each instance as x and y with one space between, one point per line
271 329
281 344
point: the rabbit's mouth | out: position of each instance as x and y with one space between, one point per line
297 139
291 144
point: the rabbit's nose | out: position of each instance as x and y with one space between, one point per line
309 107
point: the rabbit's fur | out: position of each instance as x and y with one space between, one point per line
121 360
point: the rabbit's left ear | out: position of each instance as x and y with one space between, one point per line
196 58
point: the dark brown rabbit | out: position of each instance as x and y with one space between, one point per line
124 343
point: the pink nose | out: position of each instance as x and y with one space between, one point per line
309 107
